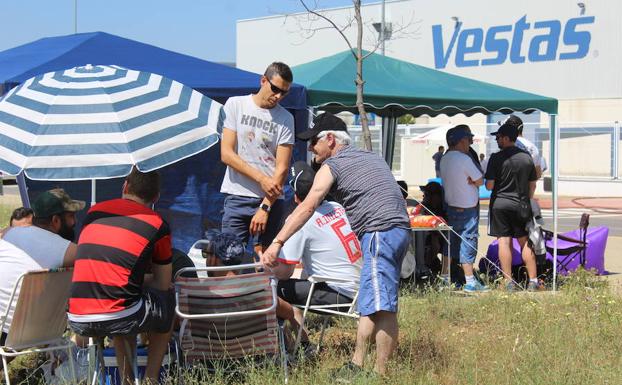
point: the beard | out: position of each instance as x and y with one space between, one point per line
66 232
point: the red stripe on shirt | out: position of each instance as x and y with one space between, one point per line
162 251
129 208
288 262
113 236
104 273
81 306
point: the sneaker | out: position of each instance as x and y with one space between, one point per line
475 287
348 373
308 350
512 287
536 286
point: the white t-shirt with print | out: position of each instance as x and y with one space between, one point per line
327 246
259 132
456 167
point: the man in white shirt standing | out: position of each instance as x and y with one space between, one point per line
256 146
461 180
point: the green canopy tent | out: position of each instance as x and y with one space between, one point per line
394 87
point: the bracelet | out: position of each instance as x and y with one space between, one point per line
278 241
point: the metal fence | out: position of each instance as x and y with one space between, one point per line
587 150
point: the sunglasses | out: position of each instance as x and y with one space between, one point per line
276 90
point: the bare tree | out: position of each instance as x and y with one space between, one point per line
357 52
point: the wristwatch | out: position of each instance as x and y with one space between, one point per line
265 207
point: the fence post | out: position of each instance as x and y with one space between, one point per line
615 170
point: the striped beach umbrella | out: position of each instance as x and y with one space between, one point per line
96 122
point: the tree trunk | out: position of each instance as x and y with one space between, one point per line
359 76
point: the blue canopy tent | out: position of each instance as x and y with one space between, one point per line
190 198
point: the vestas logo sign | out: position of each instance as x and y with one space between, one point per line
478 47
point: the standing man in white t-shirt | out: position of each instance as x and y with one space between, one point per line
461 181
256 146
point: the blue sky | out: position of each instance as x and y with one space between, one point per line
201 28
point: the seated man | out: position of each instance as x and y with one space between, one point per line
39 246
49 240
21 216
110 294
13 263
326 246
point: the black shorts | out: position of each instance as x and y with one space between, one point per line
506 223
155 315
296 291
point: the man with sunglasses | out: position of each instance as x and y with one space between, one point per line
256 146
363 184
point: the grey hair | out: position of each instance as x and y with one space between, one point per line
341 137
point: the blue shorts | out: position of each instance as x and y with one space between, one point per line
465 223
383 252
238 211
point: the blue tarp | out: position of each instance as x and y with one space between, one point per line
190 199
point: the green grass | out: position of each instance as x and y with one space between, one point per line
5 214
569 337
565 338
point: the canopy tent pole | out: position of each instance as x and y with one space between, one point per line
554 150
389 126
93 192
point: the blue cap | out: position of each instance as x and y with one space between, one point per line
455 134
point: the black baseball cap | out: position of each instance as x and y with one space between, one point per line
432 188
507 129
512 120
301 180
323 122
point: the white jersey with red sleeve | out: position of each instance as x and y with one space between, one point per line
327 246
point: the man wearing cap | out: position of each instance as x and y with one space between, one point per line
363 184
327 247
511 174
111 294
50 238
461 181
256 145
37 246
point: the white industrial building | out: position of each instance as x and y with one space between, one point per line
561 48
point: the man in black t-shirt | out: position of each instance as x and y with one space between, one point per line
510 175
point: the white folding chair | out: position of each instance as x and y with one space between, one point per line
325 310
40 316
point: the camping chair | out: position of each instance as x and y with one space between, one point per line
228 318
569 248
40 318
342 309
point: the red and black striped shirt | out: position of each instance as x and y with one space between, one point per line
119 239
